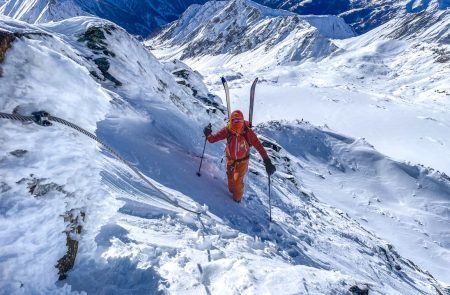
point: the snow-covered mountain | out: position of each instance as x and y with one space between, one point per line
249 31
40 11
390 85
136 16
64 197
146 17
362 15
404 60
430 25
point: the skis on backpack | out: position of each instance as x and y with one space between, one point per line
227 94
252 99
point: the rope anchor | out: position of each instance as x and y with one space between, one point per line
41 118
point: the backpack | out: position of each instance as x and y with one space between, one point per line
238 147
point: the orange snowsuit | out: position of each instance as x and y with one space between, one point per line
237 166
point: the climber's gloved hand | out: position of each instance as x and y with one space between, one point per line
207 131
270 168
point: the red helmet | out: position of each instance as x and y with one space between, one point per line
236 122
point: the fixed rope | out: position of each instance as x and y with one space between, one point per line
43 118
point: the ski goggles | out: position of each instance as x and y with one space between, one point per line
237 120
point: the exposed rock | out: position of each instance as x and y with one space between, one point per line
95 39
38 188
269 144
358 290
75 219
4 187
6 40
103 65
442 55
19 153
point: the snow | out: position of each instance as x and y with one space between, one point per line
137 17
244 30
386 87
383 78
344 214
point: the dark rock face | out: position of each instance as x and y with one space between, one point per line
103 65
74 219
39 187
19 153
359 291
95 39
6 40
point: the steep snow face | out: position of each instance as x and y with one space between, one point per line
94 74
406 205
85 70
137 17
241 27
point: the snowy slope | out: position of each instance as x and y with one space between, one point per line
52 68
249 31
390 86
94 74
407 205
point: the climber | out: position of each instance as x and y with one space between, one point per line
240 137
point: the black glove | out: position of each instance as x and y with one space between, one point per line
207 131
270 168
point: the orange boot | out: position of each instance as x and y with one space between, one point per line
236 173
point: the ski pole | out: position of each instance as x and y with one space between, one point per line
270 205
203 153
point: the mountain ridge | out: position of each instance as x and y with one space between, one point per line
242 26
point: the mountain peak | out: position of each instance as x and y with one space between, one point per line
240 26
